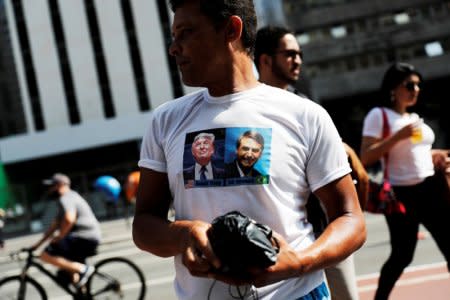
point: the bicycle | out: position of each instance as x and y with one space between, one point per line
114 278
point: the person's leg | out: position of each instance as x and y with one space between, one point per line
80 250
403 233
59 255
434 214
62 263
69 255
341 280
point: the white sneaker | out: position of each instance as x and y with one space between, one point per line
84 276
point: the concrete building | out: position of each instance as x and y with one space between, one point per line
78 81
348 45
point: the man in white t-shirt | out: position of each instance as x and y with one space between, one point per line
278 59
213 42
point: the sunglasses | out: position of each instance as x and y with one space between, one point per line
291 53
411 86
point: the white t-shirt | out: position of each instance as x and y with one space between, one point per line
302 152
409 163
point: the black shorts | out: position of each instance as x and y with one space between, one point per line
73 248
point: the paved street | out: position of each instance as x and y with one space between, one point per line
426 278
427 269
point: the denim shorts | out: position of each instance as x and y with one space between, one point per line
319 293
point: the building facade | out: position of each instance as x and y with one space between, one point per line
78 81
348 45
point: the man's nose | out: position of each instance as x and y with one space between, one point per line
174 48
248 154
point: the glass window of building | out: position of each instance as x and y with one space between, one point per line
402 18
387 20
434 49
338 32
303 38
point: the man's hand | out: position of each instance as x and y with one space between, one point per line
198 257
441 160
56 239
288 265
34 247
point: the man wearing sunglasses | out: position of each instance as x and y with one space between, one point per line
278 57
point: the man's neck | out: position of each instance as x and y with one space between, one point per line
272 81
240 77
63 189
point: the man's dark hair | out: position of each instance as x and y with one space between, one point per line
267 41
219 11
252 135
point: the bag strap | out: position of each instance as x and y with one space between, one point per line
386 133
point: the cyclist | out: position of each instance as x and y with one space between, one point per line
74 234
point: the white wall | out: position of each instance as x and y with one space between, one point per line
81 57
94 130
46 63
117 56
153 52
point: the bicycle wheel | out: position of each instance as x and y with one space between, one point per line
116 278
10 289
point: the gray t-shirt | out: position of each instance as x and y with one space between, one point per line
86 225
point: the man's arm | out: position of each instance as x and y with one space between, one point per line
345 234
48 233
357 167
66 224
153 232
346 231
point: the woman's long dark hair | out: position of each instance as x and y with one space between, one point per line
394 76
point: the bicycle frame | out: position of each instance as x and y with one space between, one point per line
104 281
31 262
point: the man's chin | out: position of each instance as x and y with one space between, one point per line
246 166
191 82
188 83
293 79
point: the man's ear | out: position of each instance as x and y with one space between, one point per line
234 29
265 60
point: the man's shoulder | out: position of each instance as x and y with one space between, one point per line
231 169
295 91
189 169
70 199
289 93
255 172
230 165
218 172
180 102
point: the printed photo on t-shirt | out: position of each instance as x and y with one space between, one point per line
227 157
203 161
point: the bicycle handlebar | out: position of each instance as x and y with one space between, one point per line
16 255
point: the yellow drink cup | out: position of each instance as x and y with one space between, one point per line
417 133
